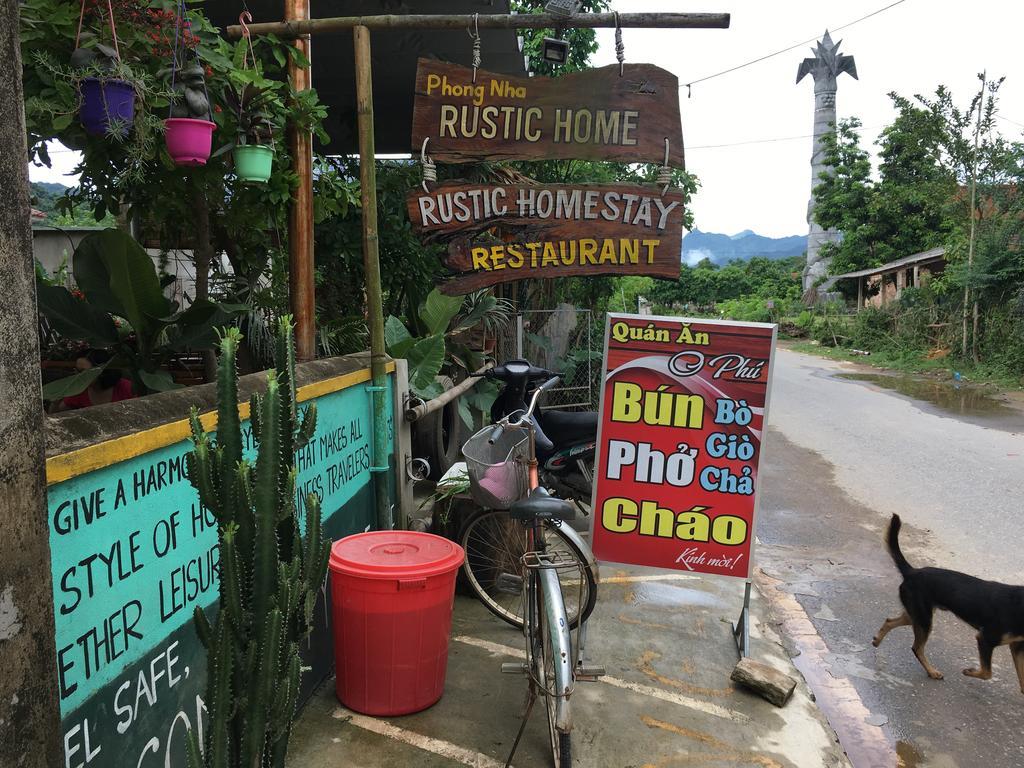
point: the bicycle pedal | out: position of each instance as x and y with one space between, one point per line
589 673
514 668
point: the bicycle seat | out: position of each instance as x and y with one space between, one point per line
570 427
541 505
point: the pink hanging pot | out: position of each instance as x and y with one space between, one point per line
188 130
189 141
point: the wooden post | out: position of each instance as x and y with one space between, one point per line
371 264
30 734
860 292
300 216
460 21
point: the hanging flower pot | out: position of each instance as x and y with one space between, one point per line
189 140
107 106
253 162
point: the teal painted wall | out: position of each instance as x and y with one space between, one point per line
133 553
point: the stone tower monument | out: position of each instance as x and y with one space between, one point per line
826 65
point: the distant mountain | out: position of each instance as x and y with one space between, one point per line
722 249
45 195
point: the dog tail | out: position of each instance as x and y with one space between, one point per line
893 540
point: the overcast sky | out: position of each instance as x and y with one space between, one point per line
762 181
909 48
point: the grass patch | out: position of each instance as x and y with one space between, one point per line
914 362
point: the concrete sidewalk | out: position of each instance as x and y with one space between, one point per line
665 639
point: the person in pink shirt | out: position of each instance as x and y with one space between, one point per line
109 387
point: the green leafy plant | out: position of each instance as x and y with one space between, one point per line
435 339
271 573
123 309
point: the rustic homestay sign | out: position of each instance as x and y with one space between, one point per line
501 232
596 114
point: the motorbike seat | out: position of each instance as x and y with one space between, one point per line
541 505
566 428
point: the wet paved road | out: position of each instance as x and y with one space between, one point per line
842 456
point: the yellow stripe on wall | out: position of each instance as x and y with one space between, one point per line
92 457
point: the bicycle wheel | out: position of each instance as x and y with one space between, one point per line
561 743
494 544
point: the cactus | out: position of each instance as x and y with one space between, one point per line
270 573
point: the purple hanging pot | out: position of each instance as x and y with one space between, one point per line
107 106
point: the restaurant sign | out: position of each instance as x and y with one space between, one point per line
683 412
501 232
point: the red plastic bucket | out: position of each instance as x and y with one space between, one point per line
391 603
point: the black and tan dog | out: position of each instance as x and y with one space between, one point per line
995 610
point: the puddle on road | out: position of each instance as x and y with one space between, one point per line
656 593
971 402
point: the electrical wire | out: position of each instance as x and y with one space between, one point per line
787 50
771 140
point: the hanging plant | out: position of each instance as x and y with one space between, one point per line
249 99
188 129
106 91
253 148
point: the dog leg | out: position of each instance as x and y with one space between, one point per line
920 638
903 620
1017 649
984 668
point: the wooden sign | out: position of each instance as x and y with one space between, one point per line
502 232
591 115
683 412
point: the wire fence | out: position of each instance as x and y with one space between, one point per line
568 340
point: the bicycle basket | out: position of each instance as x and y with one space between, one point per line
498 472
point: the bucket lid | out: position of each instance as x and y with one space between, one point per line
395 555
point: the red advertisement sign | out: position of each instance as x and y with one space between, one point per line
683 410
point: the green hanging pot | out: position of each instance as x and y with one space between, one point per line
253 162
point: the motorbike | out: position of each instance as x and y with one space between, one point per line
566 440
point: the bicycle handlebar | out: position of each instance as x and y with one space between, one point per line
495 434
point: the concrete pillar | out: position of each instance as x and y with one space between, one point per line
29 712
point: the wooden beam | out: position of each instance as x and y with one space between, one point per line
300 216
294 28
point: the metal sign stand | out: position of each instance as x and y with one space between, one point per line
741 628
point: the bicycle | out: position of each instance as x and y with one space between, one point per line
494 544
500 460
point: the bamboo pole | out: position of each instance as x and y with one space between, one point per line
371 266
294 28
301 290
417 412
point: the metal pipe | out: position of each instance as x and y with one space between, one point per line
371 265
289 29
301 289
417 412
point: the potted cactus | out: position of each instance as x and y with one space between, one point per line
271 572
253 146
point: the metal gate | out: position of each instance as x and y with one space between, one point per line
568 340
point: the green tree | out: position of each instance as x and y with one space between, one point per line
582 42
904 212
